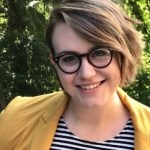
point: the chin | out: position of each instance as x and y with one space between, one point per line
92 104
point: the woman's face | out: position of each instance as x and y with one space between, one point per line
89 86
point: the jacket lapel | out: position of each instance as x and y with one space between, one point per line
142 142
141 121
47 125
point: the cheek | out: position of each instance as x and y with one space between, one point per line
117 74
65 79
117 61
115 71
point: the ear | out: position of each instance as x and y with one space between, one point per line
52 59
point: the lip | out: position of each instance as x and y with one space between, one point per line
90 87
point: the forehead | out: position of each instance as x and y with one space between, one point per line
65 39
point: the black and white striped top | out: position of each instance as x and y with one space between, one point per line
65 140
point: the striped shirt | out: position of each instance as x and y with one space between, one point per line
65 140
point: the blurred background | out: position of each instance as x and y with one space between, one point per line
25 68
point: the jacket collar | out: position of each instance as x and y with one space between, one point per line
140 115
57 107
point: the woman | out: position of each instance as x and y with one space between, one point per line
95 50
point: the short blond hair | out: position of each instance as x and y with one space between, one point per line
103 23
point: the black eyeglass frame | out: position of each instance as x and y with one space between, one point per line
79 56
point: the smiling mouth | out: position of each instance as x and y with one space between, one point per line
91 86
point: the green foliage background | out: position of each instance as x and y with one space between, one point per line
24 56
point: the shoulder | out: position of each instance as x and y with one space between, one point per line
134 106
140 115
139 112
23 109
36 103
22 115
137 108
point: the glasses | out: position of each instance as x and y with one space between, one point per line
70 62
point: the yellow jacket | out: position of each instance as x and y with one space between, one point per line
29 123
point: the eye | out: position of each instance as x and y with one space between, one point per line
100 53
69 59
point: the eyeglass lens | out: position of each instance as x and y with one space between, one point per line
70 62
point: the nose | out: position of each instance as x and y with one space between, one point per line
86 70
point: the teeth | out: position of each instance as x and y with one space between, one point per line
90 86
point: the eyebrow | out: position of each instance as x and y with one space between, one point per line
66 52
73 52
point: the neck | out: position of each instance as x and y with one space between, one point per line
108 112
97 123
